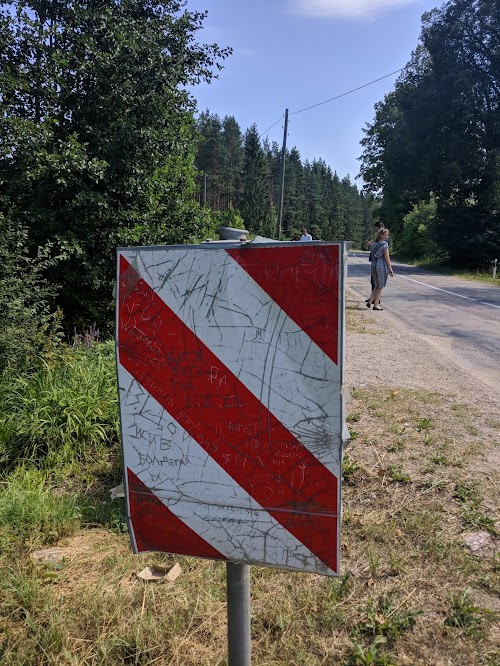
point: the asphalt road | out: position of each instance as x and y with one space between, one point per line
460 317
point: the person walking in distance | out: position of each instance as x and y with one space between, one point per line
305 236
381 268
377 227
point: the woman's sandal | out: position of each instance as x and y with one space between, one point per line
376 307
368 304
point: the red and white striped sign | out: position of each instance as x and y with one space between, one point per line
230 372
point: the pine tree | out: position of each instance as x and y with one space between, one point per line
255 204
294 206
232 159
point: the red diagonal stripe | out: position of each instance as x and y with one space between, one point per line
224 417
157 528
304 283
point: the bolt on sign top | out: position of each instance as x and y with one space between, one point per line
230 371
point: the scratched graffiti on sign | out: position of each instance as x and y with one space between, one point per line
229 370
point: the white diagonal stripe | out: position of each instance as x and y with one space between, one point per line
198 490
241 324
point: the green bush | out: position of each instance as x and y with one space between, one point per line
65 411
28 325
30 511
417 237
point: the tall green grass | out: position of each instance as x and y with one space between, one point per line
64 412
31 512
35 512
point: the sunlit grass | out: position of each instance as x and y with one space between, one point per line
409 590
65 412
436 266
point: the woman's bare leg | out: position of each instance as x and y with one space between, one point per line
377 296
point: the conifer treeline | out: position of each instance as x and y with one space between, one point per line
242 175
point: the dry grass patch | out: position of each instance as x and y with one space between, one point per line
410 592
416 490
421 476
355 322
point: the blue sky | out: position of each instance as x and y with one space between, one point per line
292 54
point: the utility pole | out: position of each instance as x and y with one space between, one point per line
282 186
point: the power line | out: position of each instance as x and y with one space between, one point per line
457 19
267 130
292 113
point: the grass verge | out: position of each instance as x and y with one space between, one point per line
437 266
419 479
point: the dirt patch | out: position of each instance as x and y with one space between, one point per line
380 352
391 355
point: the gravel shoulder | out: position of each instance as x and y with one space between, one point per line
380 351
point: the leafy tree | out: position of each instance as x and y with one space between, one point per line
96 140
27 321
438 132
417 236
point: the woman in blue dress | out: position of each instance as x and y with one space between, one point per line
381 268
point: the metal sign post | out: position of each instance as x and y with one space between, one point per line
230 372
238 614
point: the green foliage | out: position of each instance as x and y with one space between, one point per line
476 519
222 218
340 587
294 203
424 424
34 512
350 469
370 656
28 328
398 475
373 562
66 411
255 203
464 614
466 493
416 238
220 157
31 511
440 460
435 138
472 515
96 134
385 618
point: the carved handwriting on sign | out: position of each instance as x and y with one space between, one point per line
228 363
153 461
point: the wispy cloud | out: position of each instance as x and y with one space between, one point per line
346 8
